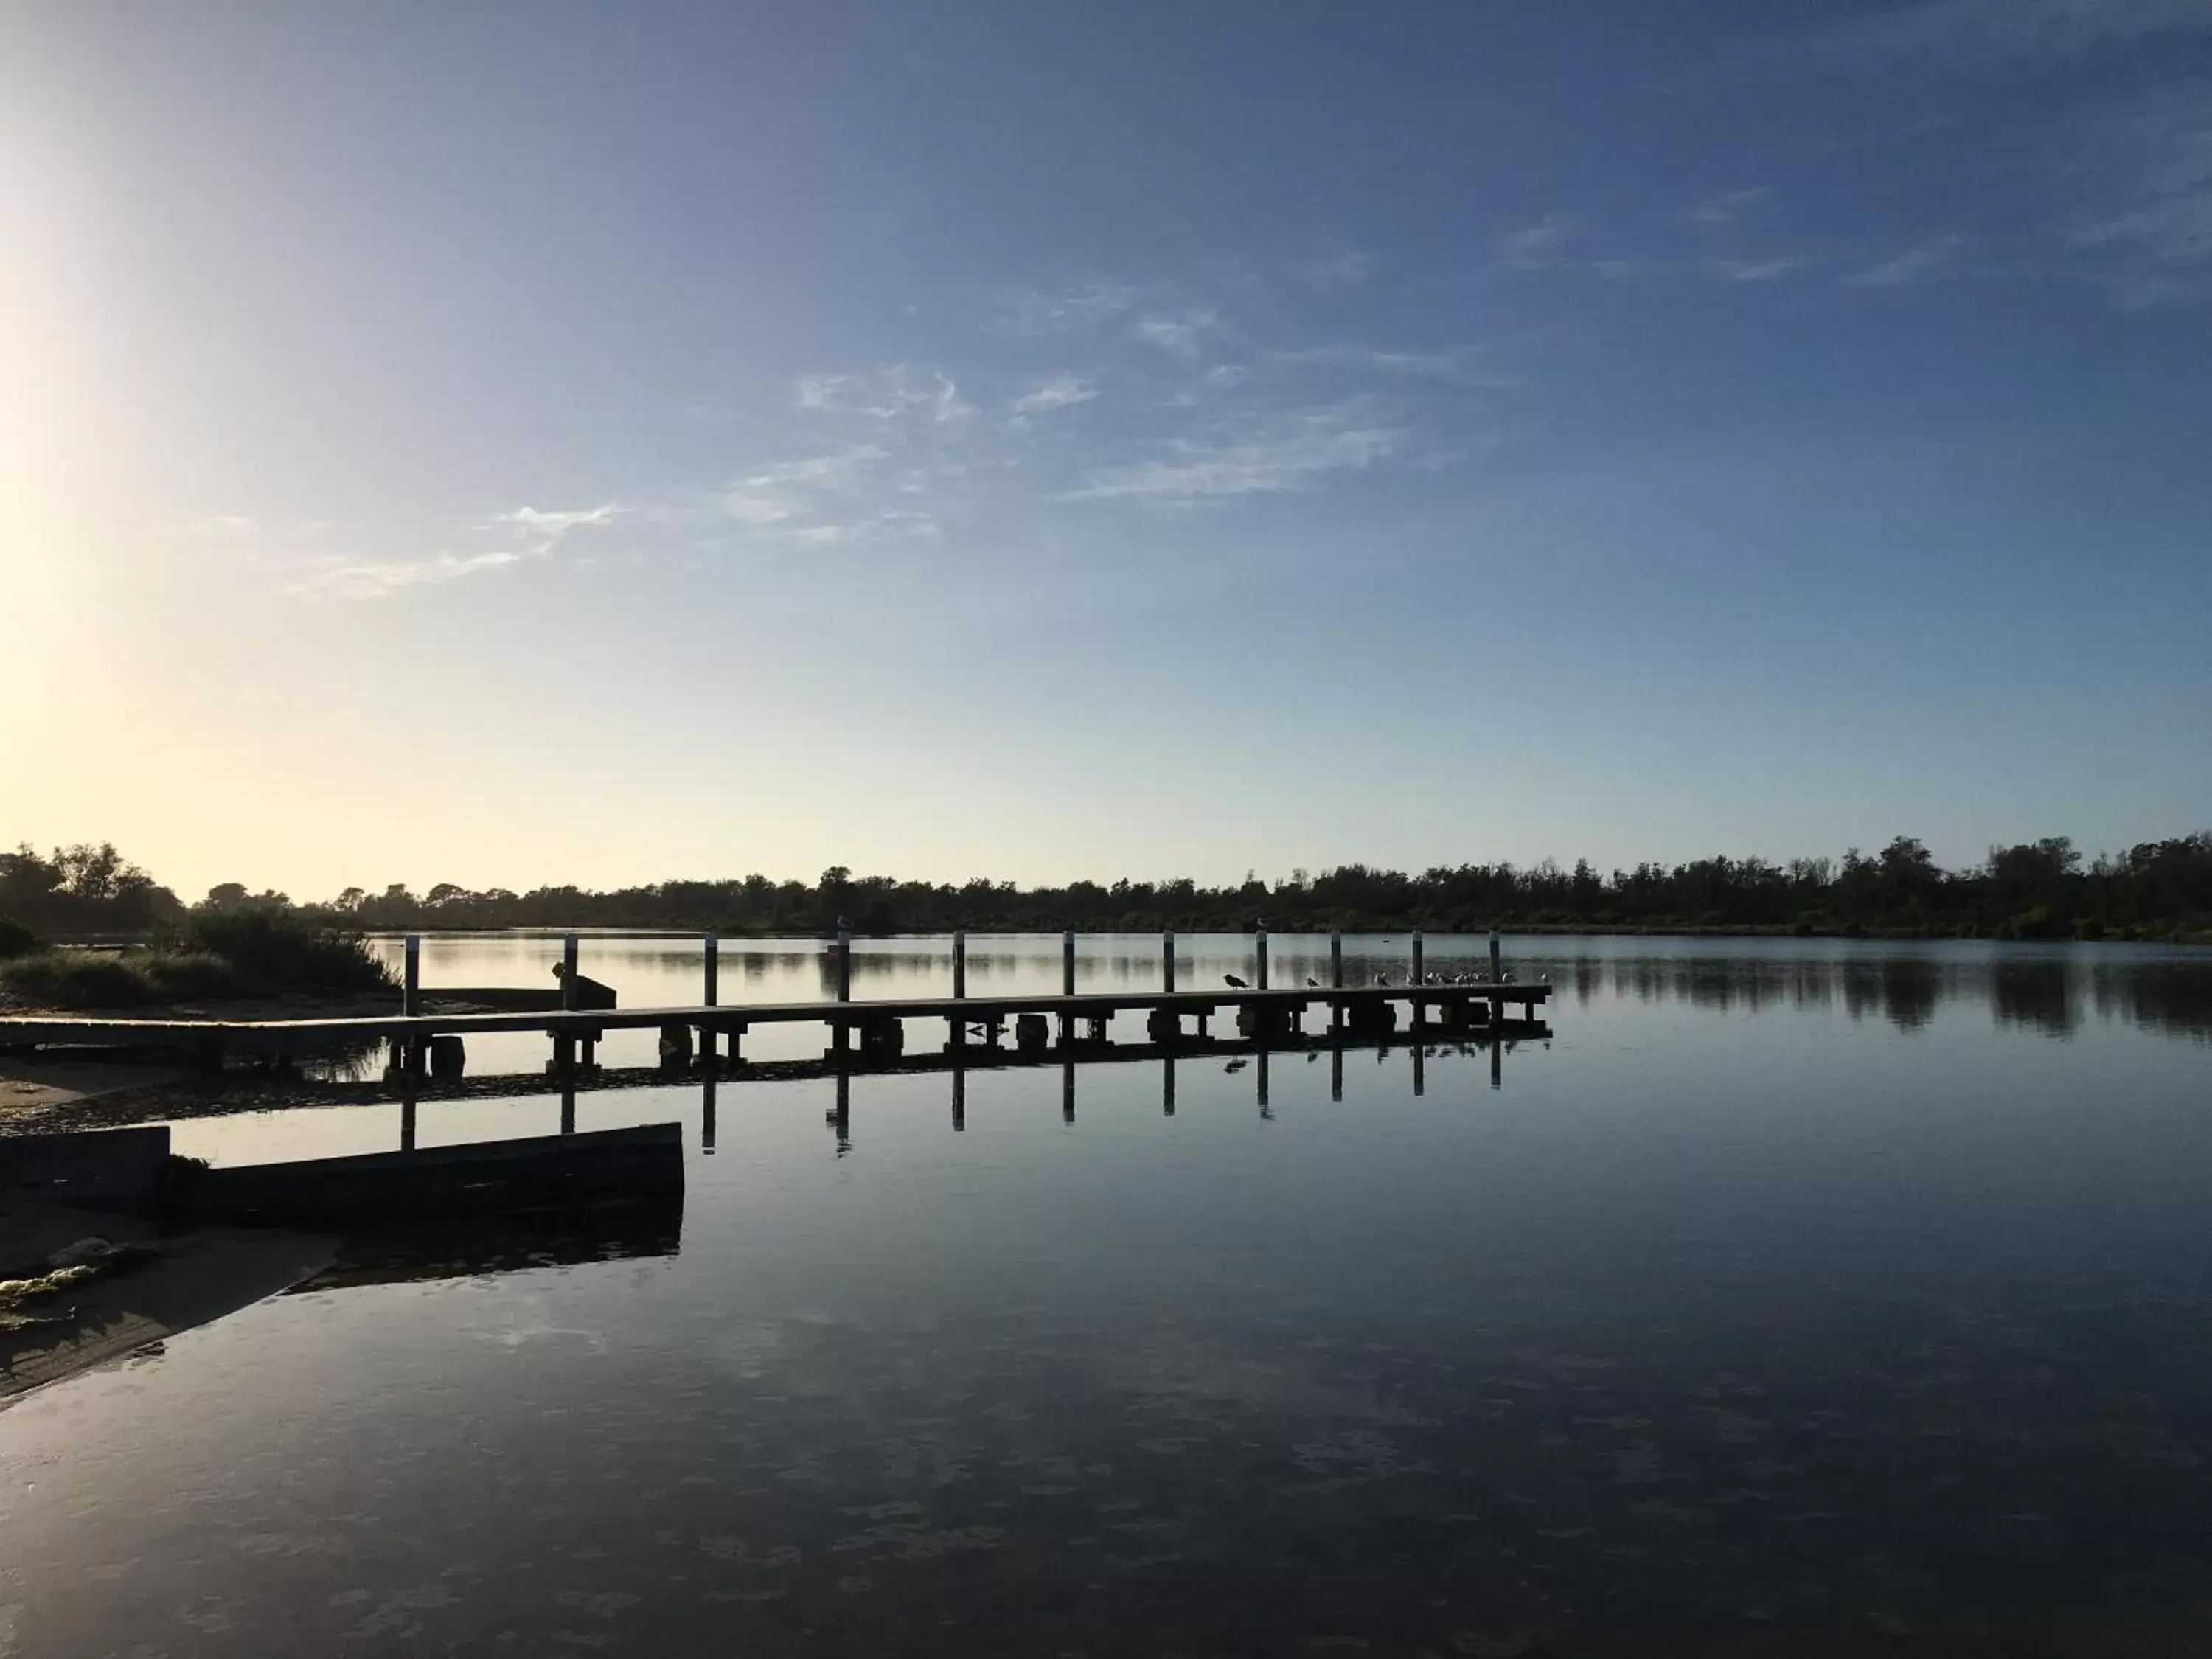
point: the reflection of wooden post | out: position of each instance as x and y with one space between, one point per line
407 1122
706 1112
1167 1087
960 1097
1262 1080
1420 1070
1336 1073
1496 1058
568 1103
1067 1092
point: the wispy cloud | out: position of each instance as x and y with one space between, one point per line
1762 270
544 531
333 577
1070 310
1914 264
894 393
1346 269
2157 225
1061 391
791 491
1536 247
1727 208
1179 332
1460 365
1970 31
1285 455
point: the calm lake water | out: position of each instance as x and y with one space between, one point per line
1796 1298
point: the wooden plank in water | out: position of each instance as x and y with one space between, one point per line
544 1172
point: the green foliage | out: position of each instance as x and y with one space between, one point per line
109 979
273 949
230 954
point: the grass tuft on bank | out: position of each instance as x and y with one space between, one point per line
210 958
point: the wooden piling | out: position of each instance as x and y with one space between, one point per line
710 983
960 966
844 963
1067 981
410 989
568 970
1497 958
1418 978
1260 942
1167 962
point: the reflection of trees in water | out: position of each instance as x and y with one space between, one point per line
2052 995
2173 997
2035 994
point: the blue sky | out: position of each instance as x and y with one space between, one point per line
505 443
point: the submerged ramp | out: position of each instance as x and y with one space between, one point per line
548 1172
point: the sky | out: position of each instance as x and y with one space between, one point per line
508 444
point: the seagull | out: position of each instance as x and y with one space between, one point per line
1234 983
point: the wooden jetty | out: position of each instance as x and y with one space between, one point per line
1069 1020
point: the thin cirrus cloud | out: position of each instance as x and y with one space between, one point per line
890 394
1975 31
336 577
1281 456
1061 391
1913 265
1179 333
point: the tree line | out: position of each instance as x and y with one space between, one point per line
2043 888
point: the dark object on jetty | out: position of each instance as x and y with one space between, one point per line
550 1172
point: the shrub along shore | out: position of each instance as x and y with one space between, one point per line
210 957
236 942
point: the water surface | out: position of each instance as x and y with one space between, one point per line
1796 1298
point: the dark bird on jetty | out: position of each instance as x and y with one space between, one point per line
1312 984
1381 979
1236 983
